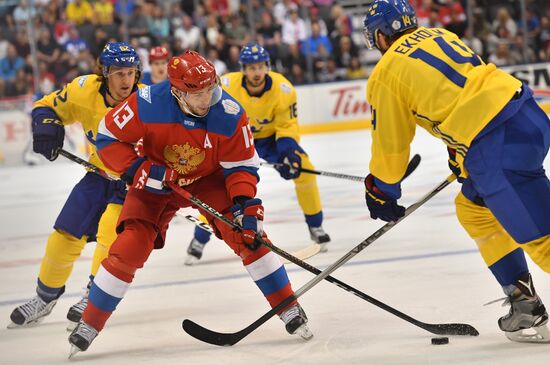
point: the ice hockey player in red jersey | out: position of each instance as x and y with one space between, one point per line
196 135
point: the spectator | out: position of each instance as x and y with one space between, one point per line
294 27
219 65
423 9
331 72
74 44
104 12
158 24
345 52
297 76
517 50
232 63
501 56
504 26
79 12
355 70
62 28
269 36
311 44
212 30
10 64
137 23
235 32
340 23
315 18
189 35
473 42
47 50
281 11
3 45
176 16
456 21
22 13
22 45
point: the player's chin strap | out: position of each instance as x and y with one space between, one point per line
216 96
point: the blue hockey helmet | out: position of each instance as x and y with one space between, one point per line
119 54
253 53
389 17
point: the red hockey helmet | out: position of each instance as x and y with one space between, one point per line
191 72
158 53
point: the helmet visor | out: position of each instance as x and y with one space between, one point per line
368 37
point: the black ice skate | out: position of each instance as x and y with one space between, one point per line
194 252
526 321
295 320
31 313
75 312
81 338
319 236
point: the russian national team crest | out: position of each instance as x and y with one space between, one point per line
183 158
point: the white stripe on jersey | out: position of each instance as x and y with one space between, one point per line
251 162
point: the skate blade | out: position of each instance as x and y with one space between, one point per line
190 260
323 247
25 325
539 334
304 332
74 350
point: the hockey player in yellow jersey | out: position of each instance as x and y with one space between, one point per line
497 138
93 206
270 103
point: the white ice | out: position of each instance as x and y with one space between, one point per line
426 267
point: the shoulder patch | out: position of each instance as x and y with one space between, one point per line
81 80
225 81
230 107
145 93
286 88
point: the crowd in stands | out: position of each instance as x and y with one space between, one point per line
308 40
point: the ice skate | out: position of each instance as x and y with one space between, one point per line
194 252
319 236
75 312
31 313
527 319
295 320
81 338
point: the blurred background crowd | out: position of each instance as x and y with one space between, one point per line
46 43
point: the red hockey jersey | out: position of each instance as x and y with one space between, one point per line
194 147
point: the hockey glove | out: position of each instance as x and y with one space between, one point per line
381 205
290 160
453 165
48 133
143 174
249 214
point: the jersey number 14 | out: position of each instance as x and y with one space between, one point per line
443 67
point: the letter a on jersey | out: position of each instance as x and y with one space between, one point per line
207 143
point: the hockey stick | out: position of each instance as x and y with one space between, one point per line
229 339
415 160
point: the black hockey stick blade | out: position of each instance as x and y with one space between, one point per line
229 339
453 329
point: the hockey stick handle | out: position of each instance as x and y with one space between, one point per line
413 163
93 168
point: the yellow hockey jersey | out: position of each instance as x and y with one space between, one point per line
272 113
432 79
80 101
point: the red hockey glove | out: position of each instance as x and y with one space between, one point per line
143 174
249 214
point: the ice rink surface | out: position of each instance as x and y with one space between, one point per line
426 267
